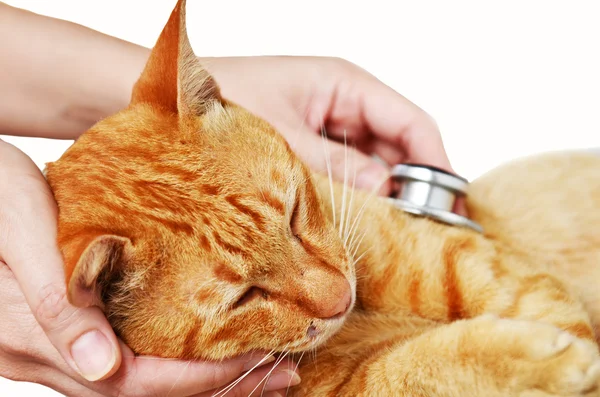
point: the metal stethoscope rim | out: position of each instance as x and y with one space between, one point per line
432 182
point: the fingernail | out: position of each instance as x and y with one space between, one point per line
257 362
282 379
94 355
372 176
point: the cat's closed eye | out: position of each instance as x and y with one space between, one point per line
295 222
250 294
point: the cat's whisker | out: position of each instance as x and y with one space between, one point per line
345 188
178 378
355 223
356 247
229 387
234 383
299 129
361 255
186 364
329 170
302 109
295 369
352 190
314 354
356 242
271 149
353 237
360 213
268 375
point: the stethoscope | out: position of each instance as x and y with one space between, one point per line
430 192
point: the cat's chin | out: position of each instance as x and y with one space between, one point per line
318 334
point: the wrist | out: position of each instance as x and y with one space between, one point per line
103 89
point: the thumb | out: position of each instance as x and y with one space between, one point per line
28 219
346 163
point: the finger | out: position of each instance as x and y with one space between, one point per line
140 376
426 149
386 151
460 207
396 120
83 337
324 155
63 384
275 378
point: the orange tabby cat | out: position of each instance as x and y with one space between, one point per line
203 236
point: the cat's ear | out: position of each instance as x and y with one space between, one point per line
90 257
173 78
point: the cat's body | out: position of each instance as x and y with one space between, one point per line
202 235
416 279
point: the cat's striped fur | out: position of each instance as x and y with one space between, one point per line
202 235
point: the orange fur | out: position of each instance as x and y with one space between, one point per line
202 235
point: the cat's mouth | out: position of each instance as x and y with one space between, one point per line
317 334
321 330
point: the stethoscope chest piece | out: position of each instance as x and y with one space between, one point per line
430 192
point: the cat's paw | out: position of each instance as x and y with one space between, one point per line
548 359
573 370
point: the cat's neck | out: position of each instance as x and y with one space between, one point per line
377 233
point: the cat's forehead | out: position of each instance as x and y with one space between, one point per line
224 164
227 141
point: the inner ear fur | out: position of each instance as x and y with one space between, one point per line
102 253
173 79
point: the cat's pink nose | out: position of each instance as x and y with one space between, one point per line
322 294
339 305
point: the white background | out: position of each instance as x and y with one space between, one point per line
502 79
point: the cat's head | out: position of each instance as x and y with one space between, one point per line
193 224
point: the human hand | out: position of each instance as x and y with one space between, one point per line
300 95
44 339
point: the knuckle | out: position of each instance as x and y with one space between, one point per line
236 391
334 66
216 377
431 122
53 311
239 391
20 343
6 275
249 390
14 373
421 124
146 390
340 62
19 368
342 163
336 60
346 67
11 349
338 159
123 384
25 372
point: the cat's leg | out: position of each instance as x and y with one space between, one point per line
485 356
546 206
